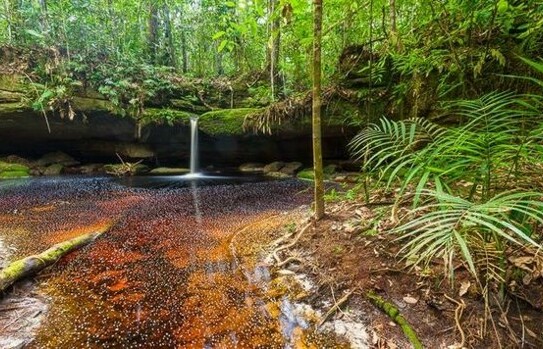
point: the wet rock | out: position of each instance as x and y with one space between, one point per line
126 169
53 170
169 170
15 159
57 157
278 175
291 168
8 170
251 167
273 167
90 168
306 173
135 150
329 169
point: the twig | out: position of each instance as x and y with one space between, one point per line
290 244
336 307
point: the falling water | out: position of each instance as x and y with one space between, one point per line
193 145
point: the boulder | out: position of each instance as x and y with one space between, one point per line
15 159
251 167
57 157
307 174
277 174
53 170
291 168
90 168
273 167
169 170
8 170
126 169
135 150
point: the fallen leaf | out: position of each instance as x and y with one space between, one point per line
410 300
464 287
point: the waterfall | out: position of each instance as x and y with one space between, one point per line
194 145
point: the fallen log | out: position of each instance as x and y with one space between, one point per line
31 265
395 315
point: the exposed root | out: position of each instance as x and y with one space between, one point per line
460 306
290 244
292 108
289 260
335 308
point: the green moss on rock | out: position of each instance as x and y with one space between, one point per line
167 115
307 174
13 174
225 121
9 167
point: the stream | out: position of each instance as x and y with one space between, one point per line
162 276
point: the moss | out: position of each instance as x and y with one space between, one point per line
225 121
92 104
307 174
8 167
167 115
11 83
13 174
6 108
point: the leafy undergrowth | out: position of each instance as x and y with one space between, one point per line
352 249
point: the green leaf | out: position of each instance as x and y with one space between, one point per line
218 35
222 45
35 33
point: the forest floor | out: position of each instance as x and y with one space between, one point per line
346 255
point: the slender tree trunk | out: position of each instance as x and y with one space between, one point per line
274 44
9 19
168 32
317 142
184 52
394 34
44 16
152 31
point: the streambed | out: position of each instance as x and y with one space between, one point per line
161 277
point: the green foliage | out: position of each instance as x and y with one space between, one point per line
449 227
226 121
458 175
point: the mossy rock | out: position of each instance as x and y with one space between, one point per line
13 174
167 115
189 105
7 108
9 167
169 171
307 174
224 121
126 169
53 170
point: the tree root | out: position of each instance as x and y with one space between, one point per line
290 244
31 265
395 315
335 307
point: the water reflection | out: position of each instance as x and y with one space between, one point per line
162 276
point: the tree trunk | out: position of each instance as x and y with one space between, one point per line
274 44
168 33
152 32
394 34
33 264
184 52
44 16
317 143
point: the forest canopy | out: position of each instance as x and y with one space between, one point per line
460 40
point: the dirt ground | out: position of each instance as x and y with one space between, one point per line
348 254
